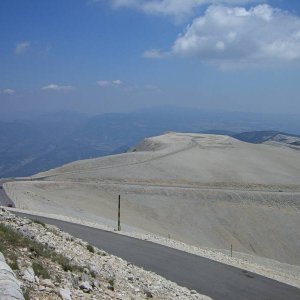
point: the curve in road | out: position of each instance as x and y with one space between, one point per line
214 279
4 199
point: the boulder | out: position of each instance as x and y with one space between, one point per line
28 274
86 287
65 294
9 285
47 283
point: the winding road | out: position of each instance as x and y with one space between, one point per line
4 199
214 279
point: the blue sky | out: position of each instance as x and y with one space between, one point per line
99 56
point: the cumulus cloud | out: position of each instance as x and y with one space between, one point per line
106 83
22 47
56 87
176 8
235 36
7 92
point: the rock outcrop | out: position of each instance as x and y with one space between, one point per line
9 285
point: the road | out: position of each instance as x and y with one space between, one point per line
216 280
4 199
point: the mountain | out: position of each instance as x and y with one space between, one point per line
50 140
206 190
270 137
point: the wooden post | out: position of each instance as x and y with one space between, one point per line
231 250
119 214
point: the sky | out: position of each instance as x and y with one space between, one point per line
98 56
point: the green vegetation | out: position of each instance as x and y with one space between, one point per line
40 271
39 222
11 241
90 248
93 274
26 293
12 261
111 282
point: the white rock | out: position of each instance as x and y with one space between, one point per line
86 287
9 285
28 274
2 257
47 283
65 294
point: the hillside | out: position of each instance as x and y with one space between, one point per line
206 190
45 270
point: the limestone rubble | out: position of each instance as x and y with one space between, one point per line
102 276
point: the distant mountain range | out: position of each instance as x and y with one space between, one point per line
51 140
274 138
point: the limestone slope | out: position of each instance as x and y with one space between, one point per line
207 190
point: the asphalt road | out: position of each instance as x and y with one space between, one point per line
219 281
4 199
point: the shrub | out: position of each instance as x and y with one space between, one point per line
10 239
40 271
12 261
26 293
90 248
39 222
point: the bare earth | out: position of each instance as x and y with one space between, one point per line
205 190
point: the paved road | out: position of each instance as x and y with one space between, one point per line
4 199
219 281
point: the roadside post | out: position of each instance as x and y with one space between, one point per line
119 213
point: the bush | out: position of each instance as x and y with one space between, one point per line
26 293
39 222
10 239
90 248
12 261
40 271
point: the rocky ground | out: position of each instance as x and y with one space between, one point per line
51 264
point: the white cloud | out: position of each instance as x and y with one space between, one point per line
235 36
117 82
56 87
176 8
22 47
113 83
7 92
154 53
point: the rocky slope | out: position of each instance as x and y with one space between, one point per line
51 264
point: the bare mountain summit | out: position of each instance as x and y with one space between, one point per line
206 190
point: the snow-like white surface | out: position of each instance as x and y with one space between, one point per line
205 190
